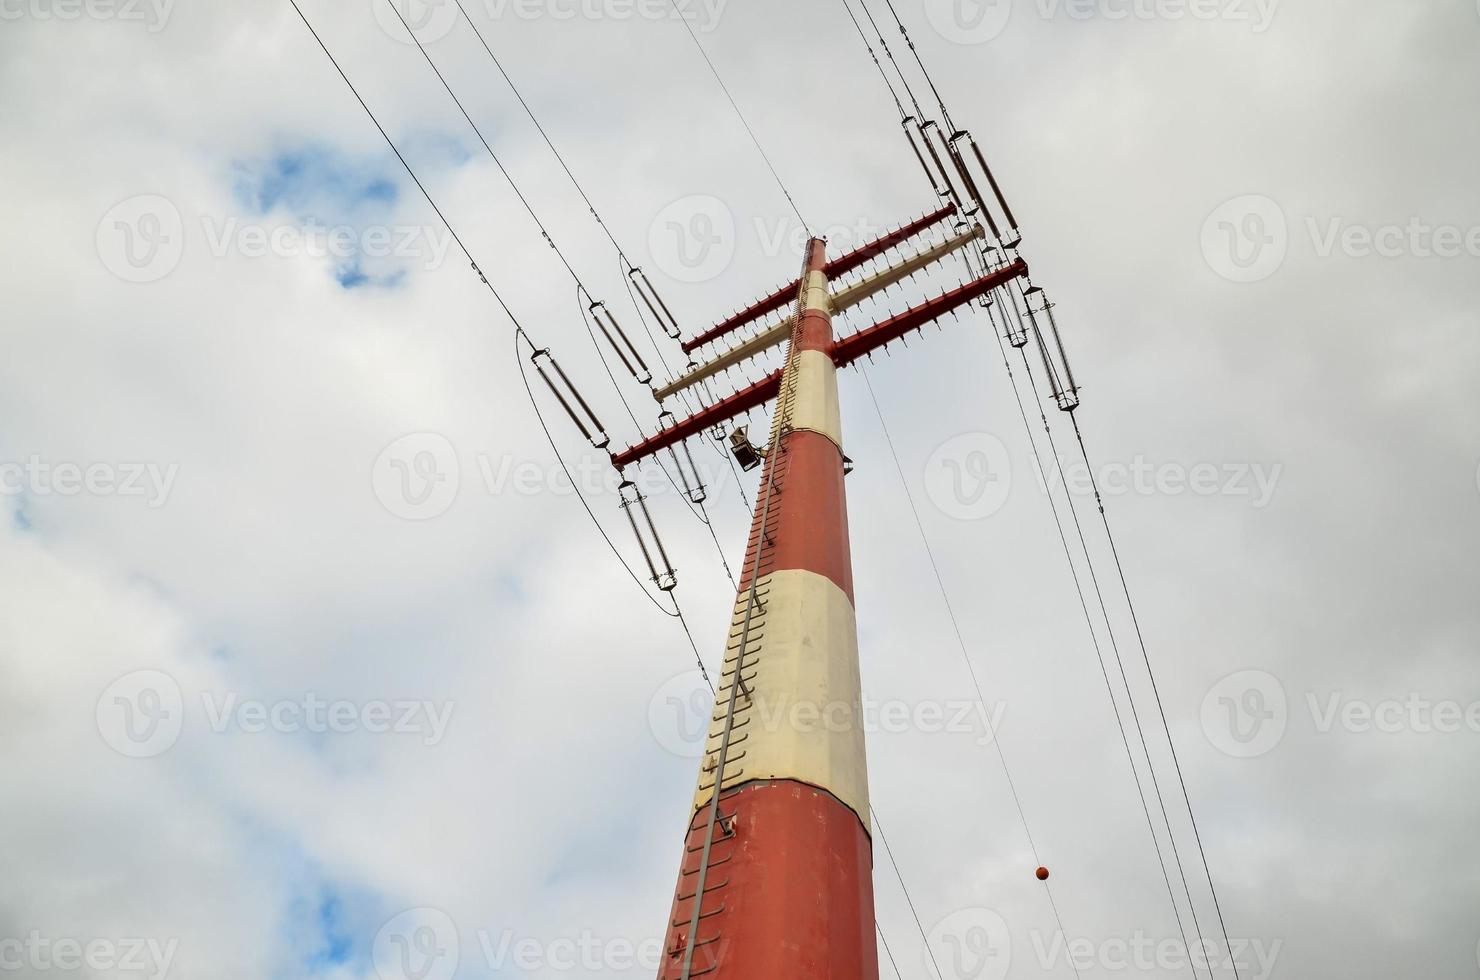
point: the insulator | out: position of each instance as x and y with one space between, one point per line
940 168
613 332
1015 237
970 183
1067 399
654 303
693 484
1068 395
915 147
1016 337
588 423
653 552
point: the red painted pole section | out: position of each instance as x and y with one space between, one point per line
776 881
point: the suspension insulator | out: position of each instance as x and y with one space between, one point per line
622 344
653 552
654 303
570 398
1017 330
1068 395
969 183
940 168
692 483
1014 236
1066 398
915 147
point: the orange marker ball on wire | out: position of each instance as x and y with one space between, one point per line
1042 874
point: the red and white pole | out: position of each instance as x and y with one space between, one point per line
777 874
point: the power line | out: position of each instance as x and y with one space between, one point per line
960 638
499 163
879 827
519 331
1094 637
743 121
877 63
517 94
945 113
1156 689
701 515
399 156
889 53
887 951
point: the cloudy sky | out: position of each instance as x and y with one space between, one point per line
312 661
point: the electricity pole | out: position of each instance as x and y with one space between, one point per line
776 879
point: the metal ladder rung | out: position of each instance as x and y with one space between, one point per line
709 889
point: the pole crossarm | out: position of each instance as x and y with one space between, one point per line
844 352
740 402
850 349
838 267
842 301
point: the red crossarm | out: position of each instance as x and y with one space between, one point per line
844 352
837 267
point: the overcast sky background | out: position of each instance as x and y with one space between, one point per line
269 555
